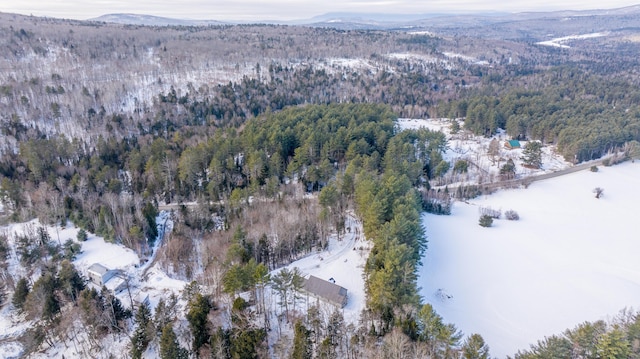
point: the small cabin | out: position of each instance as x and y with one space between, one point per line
99 274
512 144
326 291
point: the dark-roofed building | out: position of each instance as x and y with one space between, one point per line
326 290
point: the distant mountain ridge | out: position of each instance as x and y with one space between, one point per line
151 20
350 20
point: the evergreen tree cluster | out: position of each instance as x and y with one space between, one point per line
592 340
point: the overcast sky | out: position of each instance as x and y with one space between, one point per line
285 9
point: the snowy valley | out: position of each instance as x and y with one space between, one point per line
270 191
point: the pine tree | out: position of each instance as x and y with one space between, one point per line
70 281
532 154
475 348
42 301
441 169
335 331
199 308
144 331
281 283
508 170
613 345
82 235
245 343
113 310
20 294
169 346
165 312
51 306
315 321
454 127
301 342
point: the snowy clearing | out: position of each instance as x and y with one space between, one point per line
343 261
570 258
474 149
560 41
415 57
469 59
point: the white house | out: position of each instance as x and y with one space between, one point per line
99 274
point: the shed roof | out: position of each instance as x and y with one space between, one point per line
98 268
115 284
326 290
514 143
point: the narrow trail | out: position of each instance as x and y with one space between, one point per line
347 244
350 238
156 247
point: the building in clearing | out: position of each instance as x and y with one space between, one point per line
511 144
99 274
326 290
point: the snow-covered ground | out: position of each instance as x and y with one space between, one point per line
469 59
473 149
343 261
561 41
145 280
570 258
418 57
96 250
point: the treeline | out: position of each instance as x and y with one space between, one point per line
58 180
590 340
79 112
586 115
389 204
46 93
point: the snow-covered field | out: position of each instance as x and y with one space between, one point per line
570 258
561 41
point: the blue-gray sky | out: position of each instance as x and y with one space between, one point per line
284 9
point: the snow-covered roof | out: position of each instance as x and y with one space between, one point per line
98 269
115 284
326 290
